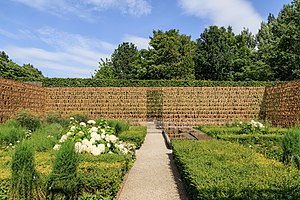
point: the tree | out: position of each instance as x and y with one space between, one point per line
279 42
170 56
215 54
123 61
105 70
11 70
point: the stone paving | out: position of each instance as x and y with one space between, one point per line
154 175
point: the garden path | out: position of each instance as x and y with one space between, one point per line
154 175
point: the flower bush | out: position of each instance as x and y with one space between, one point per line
94 138
251 127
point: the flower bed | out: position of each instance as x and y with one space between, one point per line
103 161
222 170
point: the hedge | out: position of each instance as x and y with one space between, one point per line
222 170
270 145
134 135
91 82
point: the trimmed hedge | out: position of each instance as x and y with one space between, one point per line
91 82
270 145
222 170
135 134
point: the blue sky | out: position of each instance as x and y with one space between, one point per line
67 38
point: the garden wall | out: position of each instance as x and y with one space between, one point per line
15 96
173 105
281 104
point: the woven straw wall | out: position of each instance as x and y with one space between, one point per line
15 96
282 104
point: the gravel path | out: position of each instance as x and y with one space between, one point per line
154 175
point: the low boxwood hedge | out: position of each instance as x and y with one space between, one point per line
135 135
217 169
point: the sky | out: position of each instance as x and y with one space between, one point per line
68 38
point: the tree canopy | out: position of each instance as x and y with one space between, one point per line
11 70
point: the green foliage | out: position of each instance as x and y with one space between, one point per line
80 82
56 117
24 175
45 137
268 145
105 70
135 135
28 119
63 179
118 125
79 116
222 170
171 56
124 60
11 132
11 70
291 147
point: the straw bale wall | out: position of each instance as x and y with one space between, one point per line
281 104
15 96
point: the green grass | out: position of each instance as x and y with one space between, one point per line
11 132
222 170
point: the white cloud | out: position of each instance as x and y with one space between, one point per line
8 34
140 42
72 54
85 8
236 13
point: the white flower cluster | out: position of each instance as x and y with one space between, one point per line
94 140
257 124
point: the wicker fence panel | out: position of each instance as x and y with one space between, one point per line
210 105
281 105
15 96
110 102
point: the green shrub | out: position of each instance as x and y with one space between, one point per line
55 117
45 137
93 82
267 144
63 179
11 133
217 169
291 147
101 179
24 175
79 116
28 119
119 125
135 135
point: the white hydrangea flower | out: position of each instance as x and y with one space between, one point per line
91 122
56 147
72 128
103 131
93 129
71 118
92 140
101 147
102 135
94 134
86 142
95 151
108 145
98 137
78 146
82 124
69 133
63 138
113 138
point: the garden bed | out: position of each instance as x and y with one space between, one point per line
216 169
100 176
